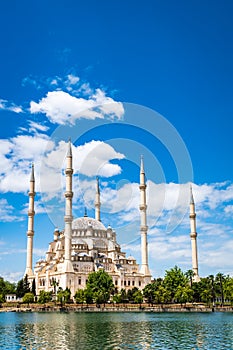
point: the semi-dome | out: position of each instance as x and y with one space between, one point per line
85 222
131 258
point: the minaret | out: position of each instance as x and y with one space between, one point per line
30 232
68 267
97 200
193 236
143 228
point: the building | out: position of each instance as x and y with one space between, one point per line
86 245
12 298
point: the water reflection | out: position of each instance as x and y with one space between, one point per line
115 331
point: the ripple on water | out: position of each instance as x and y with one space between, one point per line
115 331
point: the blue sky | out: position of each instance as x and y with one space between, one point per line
121 79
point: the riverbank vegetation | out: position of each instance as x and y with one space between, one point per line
177 287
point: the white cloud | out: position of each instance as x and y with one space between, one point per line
93 158
39 252
30 147
9 106
16 155
31 81
218 257
36 128
7 212
5 151
69 82
228 209
71 100
85 89
72 79
39 209
12 277
60 107
166 203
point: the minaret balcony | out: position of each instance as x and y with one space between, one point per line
30 233
144 229
192 216
68 194
193 235
69 171
68 218
31 194
142 186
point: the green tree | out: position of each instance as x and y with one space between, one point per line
131 294
88 296
173 279
162 295
44 297
63 296
6 288
190 274
55 284
137 297
20 289
152 291
206 295
196 287
2 298
116 298
219 281
149 293
80 296
210 279
34 287
28 298
228 288
100 285
123 296
100 297
23 287
26 284
184 294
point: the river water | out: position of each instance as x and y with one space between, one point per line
116 331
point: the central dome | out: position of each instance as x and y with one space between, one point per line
85 222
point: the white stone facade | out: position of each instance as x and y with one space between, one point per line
93 247
85 245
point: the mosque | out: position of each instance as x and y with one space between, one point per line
86 245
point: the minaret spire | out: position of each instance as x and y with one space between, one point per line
30 231
97 200
68 267
191 195
143 228
193 236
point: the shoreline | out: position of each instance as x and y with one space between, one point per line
110 308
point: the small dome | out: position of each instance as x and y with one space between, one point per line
131 258
85 222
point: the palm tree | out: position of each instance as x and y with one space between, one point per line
55 284
220 279
190 274
211 279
